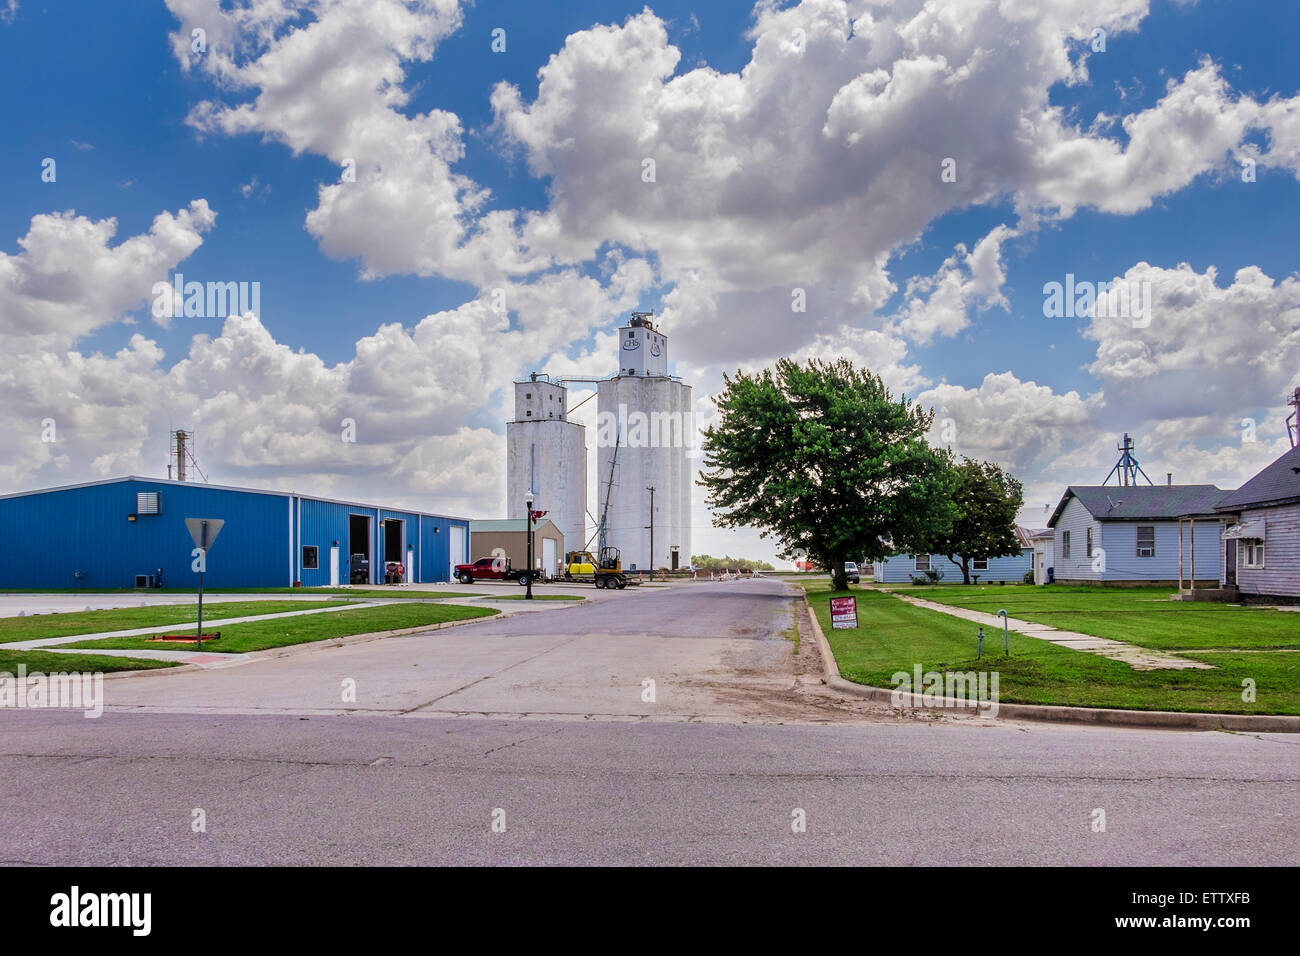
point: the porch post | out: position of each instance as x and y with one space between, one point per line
1180 554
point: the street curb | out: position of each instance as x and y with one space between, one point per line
1111 717
291 649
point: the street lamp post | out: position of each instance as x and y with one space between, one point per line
528 595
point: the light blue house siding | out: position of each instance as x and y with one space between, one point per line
1070 544
1091 550
1119 540
899 568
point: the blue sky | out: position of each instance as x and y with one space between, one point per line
105 94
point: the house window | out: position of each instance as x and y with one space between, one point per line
1065 544
1146 541
310 557
979 564
1088 542
528 396
1252 553
923 562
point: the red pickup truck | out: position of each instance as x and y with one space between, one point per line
490 569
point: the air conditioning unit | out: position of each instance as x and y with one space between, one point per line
143 581
1146 552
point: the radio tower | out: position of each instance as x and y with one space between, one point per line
1127 469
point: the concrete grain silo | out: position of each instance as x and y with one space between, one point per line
547 453
643 436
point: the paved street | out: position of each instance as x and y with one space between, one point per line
541 716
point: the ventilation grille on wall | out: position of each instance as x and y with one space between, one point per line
146 503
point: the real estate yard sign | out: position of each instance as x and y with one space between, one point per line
844 612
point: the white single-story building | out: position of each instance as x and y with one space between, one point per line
1043 550
1130 534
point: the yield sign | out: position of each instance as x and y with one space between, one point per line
204 531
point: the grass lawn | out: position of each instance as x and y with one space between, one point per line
123 619
283 631
48 663
1142 616
894 636
416 595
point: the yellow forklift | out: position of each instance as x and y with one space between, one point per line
607 572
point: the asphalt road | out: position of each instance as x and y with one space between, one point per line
581 770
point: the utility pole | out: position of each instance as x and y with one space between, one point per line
651 526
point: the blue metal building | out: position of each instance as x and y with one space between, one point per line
126 532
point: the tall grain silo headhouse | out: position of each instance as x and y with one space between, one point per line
644 432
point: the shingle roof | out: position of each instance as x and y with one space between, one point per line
1141 503
1279 483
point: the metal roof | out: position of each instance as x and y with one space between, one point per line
253 491
1277 484
1141 503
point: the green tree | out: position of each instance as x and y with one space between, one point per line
706 562
986 500
822 457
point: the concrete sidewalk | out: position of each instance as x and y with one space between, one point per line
1139 658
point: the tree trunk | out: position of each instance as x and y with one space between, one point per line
965 570
839 577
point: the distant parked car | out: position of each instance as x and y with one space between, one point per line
851 569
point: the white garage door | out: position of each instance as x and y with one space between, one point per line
458 555
549 557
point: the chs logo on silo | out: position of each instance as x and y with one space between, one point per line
200 300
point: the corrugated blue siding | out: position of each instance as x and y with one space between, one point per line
899 568
323 523
47 536
437 558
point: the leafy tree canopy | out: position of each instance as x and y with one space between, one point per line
987 500
706 562
822 457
